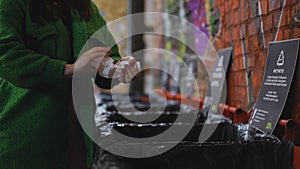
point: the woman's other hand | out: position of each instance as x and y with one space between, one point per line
88 62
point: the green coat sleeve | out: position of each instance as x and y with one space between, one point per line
19 65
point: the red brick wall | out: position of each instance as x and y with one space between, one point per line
249 32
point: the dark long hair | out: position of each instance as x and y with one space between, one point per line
41 9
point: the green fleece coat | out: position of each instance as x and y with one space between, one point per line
34 96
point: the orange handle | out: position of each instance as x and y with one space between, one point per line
290 123
230 109
290 129
237 115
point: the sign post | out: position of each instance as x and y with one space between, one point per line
217 80
279 72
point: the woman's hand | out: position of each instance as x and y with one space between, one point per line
88 62
130 68
107 68
125 69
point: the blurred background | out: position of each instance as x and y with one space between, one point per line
247 26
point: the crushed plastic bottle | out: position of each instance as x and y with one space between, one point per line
110 70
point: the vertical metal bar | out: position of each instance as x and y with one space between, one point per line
129 40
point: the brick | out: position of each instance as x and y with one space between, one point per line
238 63
275 15
230 29
217 4
290 2
286 18
227 35
237 49
268 22
230 97
289 17
280 35
296 32
222 2
257 77
230 80
295 18
234 66
236 33
253 27
245 14
288 34
241 63
251 60
261 59
254 43
229 16
241 94
269 37
264 7
222 11
235 4
227 6
243 4
256 93
230 90
237 92
276 6
236 17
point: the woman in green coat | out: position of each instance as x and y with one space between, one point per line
40 41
